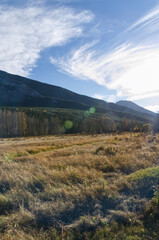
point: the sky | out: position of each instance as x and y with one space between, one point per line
107 49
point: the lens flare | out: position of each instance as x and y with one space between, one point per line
68 124
92 110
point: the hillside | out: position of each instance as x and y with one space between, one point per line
17 91
30 93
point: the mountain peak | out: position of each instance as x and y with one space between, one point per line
134 106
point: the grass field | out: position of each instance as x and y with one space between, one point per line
80 187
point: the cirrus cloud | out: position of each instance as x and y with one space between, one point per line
130 68
25 32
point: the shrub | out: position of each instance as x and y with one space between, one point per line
147 128
108 151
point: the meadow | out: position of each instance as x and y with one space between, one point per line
80 187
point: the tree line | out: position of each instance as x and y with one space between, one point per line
18 122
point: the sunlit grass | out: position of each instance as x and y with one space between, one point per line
75 185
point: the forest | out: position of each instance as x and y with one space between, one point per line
18 122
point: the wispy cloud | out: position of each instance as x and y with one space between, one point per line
131 68
147 21
25 32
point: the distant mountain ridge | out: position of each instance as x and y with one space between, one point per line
17 91
134 106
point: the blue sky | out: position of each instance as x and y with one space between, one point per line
107 49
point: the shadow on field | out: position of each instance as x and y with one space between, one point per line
89 207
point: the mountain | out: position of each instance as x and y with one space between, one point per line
134 106
17 91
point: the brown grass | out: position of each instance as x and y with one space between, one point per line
51 183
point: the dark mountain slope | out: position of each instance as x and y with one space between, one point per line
23 92
49 91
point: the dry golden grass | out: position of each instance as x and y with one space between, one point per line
63 182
